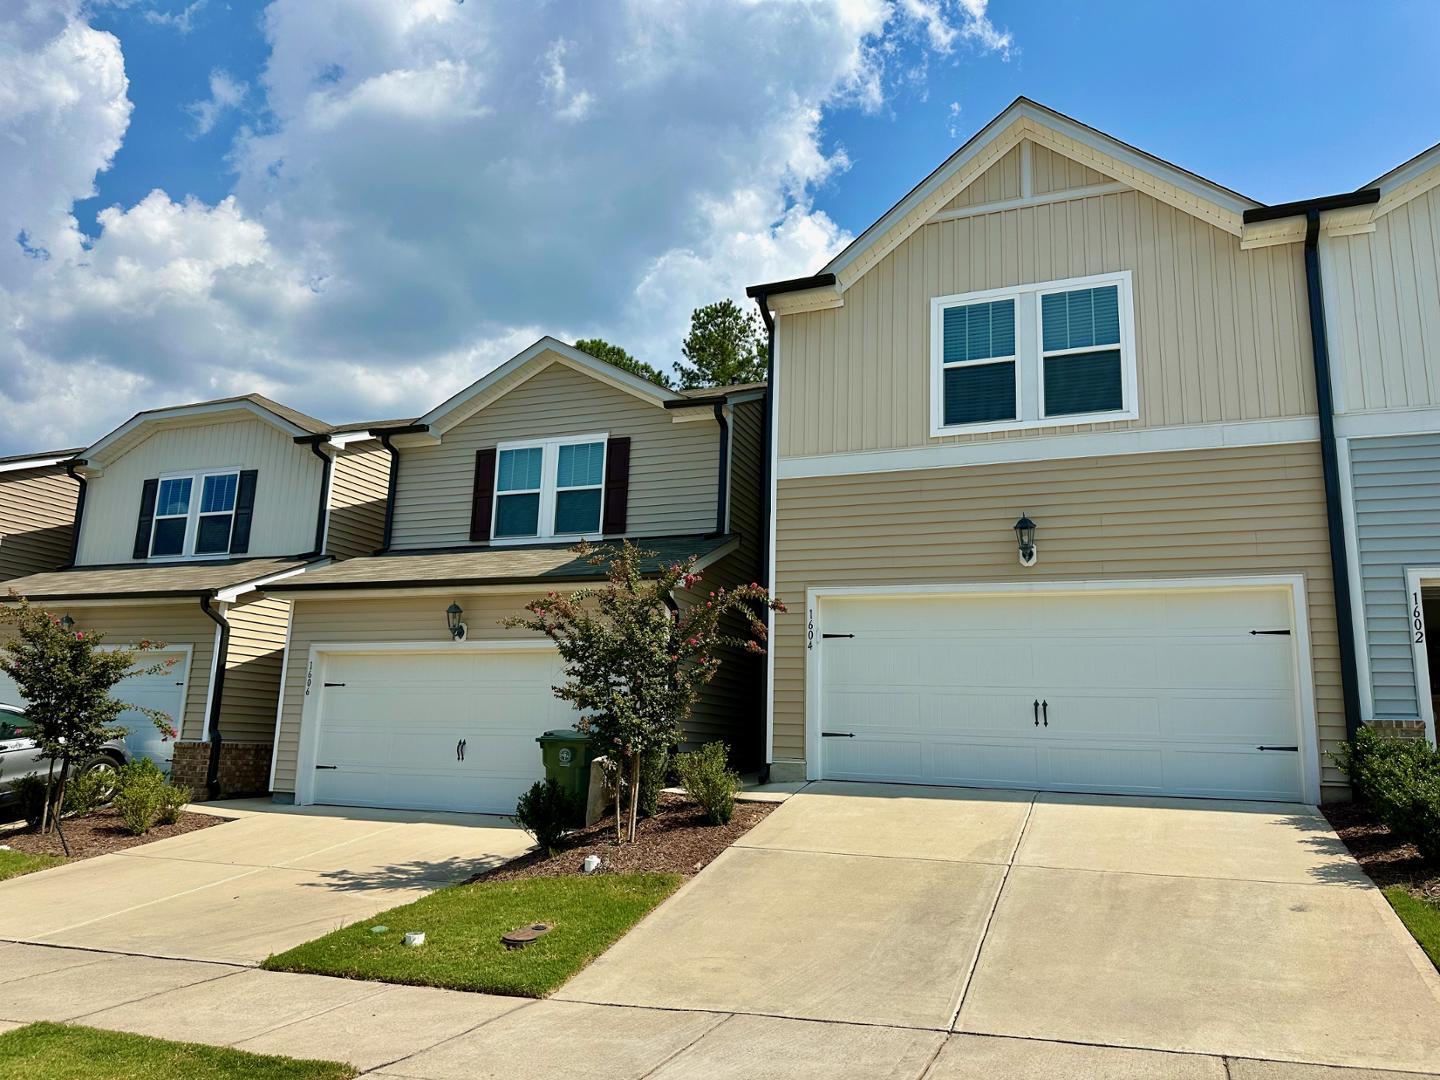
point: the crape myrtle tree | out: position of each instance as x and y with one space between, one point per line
635 661
66 679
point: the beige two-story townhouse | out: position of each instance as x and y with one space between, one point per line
403 687
1048 495
37 512
182 514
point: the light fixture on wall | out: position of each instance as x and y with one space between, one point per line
452 619
1025 536
67 623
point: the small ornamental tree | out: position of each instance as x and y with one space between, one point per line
635 660
66 678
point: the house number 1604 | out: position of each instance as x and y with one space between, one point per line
810 630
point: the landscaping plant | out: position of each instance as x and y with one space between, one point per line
173 800
635 661
140 796
87 792
30 798
654 767
1400 779
547 812
66 679
707 778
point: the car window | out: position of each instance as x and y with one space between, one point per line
14 726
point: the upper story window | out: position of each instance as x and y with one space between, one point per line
549 488
1032 355
194 514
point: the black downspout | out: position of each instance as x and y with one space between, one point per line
327 467
217 694
79 510
389 491
722 489
1330 460
766 509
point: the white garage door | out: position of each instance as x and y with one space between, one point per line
434 731
1129 692
163 690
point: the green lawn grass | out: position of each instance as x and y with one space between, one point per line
1421 918
63 1052
463 925
15 863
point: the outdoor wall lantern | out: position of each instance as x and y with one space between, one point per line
452 619
68 623
1025 535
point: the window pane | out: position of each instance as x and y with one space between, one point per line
580 465
212 537
979 331
1081 318
169 537
1083 383
980 393
218 494
520 469
173 497
517 515
577 511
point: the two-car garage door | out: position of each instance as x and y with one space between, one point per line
442 730
1185 692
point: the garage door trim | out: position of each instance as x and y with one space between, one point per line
1293 583
315 688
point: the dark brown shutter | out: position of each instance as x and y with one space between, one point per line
482 499
146 525
244 512
617 486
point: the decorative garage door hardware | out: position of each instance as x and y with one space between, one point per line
334 684
460 749
327 766
837 635
1280 633
837 734
1292 749
1042 708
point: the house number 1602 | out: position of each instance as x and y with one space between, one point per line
1417 618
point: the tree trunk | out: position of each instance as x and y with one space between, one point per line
634 793
619 786
45 803
60 806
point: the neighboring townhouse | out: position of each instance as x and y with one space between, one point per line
403 688
1049 505
183 513
37 512
1381 275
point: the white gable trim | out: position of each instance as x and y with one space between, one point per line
1027 120
536 359
185 412
1411 180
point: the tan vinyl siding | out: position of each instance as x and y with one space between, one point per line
1220 333
358 489
252 668
1000 181
1051 172
286 495
1382 309
37 516
1250 511
673 466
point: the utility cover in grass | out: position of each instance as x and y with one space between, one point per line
463 926
66 1052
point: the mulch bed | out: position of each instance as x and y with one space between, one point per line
677 840
99 834
1380 854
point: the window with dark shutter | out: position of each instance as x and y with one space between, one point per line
617 485
146 524
482 498
244 511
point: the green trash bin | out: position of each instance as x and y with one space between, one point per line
567 754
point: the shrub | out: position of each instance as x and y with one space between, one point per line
1400 779
87 792
708 779
547 812
141 793
30 799
172 801
654 766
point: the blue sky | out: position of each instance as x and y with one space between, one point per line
357 206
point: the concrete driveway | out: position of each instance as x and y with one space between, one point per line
1240 930
270 879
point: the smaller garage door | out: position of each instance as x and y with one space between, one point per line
164 691
434 731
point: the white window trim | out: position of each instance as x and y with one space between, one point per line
1029 356
192 516
549 469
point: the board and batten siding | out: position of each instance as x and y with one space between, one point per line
1238 512
1220 333
1382 309
287 489
37 517
1396 489
673 466
252 668
359 485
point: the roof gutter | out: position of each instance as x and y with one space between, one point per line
217 693
1304 207
70 467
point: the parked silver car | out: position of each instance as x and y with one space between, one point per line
20 757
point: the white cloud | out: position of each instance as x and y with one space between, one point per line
436 185
225 94
182 20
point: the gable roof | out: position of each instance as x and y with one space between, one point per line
1025 119
291 421
523 366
